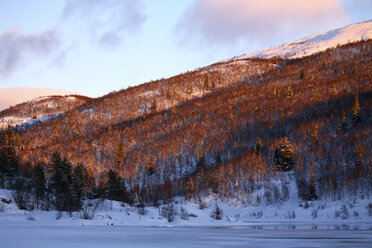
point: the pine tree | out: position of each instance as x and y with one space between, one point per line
8 157
311 195
115 187
356 109
167 191
61 183
284 155
201 164
39 183
79 175
218 158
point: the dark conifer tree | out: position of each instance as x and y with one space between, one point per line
8 157
39 183
356 109
201 162
78 183
115 187
284 155
311 195
61 183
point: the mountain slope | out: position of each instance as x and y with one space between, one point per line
304 100
39 109
317 42
16 95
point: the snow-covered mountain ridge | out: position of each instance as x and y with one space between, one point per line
39 109
317 42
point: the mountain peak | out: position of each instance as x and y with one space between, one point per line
318 42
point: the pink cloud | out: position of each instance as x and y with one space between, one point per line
231 21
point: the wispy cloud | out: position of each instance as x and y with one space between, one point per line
16 46
105 22
227 22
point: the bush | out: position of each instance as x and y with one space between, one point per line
293 214
217 213
369 209
344 213
21 197
141 209
202 204
184 214
169 212
88 210
314 213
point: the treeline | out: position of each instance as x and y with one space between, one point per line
57 185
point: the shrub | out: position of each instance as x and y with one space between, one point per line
314 213
169 212
217 213
202 204
21 197
88 210
141 209
369 209
344 213
184 214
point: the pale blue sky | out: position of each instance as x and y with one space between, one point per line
94 47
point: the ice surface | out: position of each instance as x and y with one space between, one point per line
19 236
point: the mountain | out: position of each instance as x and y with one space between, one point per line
16 95
227 129
39 109
307 106
317 42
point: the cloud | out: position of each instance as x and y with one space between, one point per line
16 47
106 22
228 22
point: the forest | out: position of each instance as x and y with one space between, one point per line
227 129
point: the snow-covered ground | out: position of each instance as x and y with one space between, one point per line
118 214
317 42
289 224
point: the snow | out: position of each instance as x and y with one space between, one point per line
28 235
14 120
317 42
118 225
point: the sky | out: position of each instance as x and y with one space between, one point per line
94 47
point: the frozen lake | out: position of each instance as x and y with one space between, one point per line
279 235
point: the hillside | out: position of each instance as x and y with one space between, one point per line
39 109
317 42
319 103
